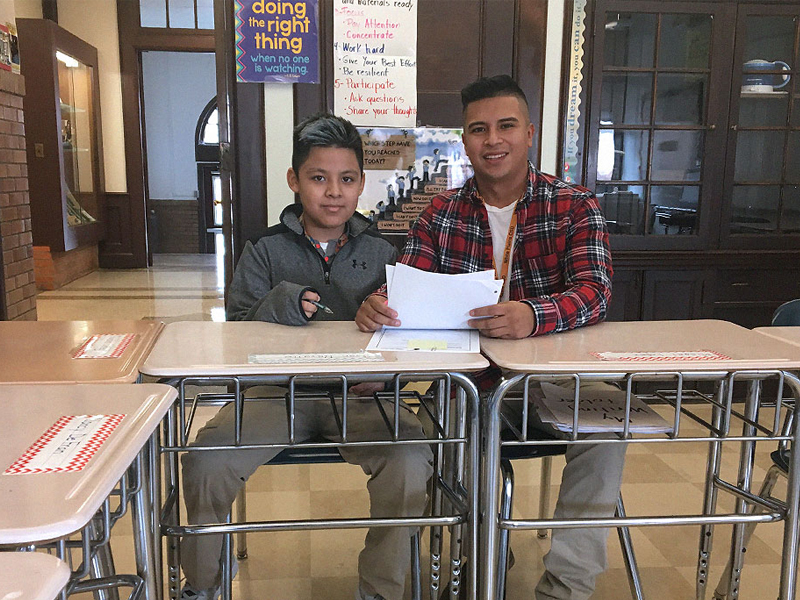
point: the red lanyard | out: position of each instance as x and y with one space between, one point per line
503 274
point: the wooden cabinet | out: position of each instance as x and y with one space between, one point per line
64 139
691 142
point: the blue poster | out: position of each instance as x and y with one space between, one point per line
277 41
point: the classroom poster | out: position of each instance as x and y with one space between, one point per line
277 41
375 61
405 168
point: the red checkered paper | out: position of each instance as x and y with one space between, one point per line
662 356
105 345
67 446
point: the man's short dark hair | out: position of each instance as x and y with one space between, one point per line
491 87
325 131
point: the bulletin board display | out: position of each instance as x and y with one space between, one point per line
405 168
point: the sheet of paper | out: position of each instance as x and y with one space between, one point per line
426 300
430 340
598 411
105 345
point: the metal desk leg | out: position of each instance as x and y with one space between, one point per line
142 531
710 496
227 564
456 478
171 517
474 471
746 458
102 563
489 479
791 530
442 399
154 478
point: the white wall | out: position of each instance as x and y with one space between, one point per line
177 86
279 121
95 22
28 9
552 86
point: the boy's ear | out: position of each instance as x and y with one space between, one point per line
294 183
363 181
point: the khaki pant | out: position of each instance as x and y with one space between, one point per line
590 485
397 485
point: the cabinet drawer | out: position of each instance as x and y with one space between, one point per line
761 285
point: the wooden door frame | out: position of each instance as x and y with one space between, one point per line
133 40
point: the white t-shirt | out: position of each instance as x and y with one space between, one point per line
499 222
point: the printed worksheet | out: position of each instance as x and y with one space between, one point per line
431 340
598 411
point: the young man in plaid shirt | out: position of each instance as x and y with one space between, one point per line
548 240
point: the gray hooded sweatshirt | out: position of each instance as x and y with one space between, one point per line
276 269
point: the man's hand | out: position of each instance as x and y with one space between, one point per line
507 320
374 313
309 308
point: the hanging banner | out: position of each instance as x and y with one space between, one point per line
277 41
571 133
375 61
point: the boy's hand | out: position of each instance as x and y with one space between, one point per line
508 320
374 313
309 308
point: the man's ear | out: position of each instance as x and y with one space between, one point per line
531 131
294 183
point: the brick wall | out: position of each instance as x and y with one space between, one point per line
16 239
173 226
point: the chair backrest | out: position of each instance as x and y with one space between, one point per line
787 314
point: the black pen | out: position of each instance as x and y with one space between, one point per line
319 305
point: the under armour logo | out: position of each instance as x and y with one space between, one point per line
362 264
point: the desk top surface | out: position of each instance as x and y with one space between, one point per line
57 465
785 334
644 346
43 351
31 575
197 348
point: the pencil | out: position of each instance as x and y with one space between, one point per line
319 305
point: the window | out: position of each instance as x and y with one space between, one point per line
177 14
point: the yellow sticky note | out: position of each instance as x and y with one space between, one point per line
427 344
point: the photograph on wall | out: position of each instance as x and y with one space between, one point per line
405 168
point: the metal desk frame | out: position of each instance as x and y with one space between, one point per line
724 414
456 449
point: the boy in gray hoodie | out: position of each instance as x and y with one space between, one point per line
322 253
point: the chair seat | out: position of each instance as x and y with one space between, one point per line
301 455
515 452
781 459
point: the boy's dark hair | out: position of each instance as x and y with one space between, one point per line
491 87
325 131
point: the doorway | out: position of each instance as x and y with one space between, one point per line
181 141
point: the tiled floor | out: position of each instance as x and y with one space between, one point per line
322 565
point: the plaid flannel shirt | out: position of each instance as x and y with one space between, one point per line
561 265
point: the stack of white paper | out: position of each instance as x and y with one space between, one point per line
426 300
598 411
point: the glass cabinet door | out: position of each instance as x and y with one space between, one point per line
79 154
763 180
653 122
